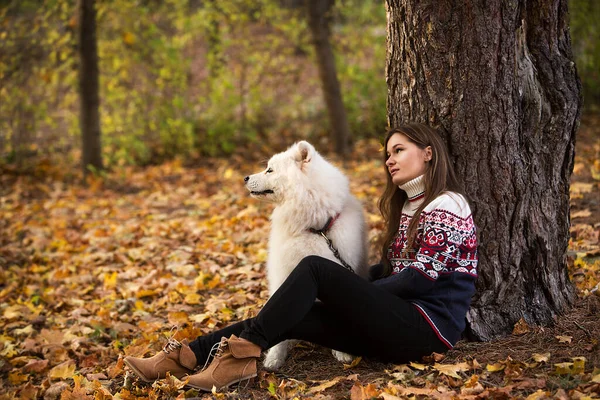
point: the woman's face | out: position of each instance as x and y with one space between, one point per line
405 160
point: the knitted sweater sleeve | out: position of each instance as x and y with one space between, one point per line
439 248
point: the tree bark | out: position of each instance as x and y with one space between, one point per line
497 78
89 88
319 27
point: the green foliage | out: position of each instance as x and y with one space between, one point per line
585 36
182 79
361 65
37 77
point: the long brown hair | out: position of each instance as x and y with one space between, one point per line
439 178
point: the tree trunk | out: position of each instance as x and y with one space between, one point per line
497 78
319 27
88 88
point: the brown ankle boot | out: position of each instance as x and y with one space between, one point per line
234 362
176 357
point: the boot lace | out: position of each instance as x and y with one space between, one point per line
172 345
216 351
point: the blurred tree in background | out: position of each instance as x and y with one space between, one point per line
585 35
89 118
184 78
199 78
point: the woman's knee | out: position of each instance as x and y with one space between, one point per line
312 260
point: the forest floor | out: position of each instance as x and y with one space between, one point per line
93 273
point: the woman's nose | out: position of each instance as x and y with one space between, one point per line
389 161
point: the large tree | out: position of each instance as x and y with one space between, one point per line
89 87
498 78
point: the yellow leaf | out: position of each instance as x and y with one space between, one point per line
15 311
451 370
178 318
595 170
580 187
216 280
110 280
353 364
63 371
192 298
540 394
563 368
564 339
418 366
596 375
581 214
495 367
228 173
9 350
128 38
146 293
261 256
16 378
578 365
541 357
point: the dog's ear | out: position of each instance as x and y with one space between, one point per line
305 152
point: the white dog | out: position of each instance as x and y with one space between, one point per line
308 193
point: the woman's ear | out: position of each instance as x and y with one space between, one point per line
428 153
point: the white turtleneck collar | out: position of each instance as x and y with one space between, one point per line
415 189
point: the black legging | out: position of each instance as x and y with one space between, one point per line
353 315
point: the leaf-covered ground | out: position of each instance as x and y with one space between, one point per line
93 273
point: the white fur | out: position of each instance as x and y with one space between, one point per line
307 190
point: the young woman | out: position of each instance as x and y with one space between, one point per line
415 304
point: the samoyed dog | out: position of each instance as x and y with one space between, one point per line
313 204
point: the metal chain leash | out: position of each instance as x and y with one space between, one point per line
335 252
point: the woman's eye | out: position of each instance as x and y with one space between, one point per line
269 170
398 150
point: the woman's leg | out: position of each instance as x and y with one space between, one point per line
353 316
202 345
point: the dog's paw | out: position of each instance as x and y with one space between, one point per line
342 357
272 363
275 357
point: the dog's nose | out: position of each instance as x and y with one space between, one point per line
246 179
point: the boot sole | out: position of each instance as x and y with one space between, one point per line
139 374
222 387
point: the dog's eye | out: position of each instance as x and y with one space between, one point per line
269 170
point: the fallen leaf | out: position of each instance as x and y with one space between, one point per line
110 280
563 368
581 214
451 369
596 375
16 378
325 385
580 188
36 366
564 339
354 363
541 357
495 367
540 394
63 371
579 365
418 366
359 392
521 327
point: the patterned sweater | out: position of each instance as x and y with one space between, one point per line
438 275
